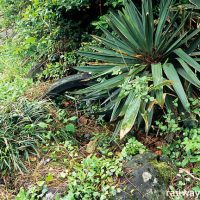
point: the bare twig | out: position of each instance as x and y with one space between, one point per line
188 173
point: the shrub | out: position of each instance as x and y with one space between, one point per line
143 61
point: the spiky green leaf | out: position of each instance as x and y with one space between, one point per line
171 74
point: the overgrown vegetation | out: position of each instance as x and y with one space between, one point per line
183 146
144 62
23 126
12 82
49 32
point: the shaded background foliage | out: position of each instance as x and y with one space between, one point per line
50 31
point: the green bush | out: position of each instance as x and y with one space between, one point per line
142 61
47 30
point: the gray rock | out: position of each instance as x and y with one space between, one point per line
49 196
52 194
145 178
5 34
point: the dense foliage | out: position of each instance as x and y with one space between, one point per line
49 32
143 63
24 126
183 145
183 140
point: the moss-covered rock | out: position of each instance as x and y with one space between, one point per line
146 178
165 170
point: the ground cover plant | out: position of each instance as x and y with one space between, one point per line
23 126
183 148
97 175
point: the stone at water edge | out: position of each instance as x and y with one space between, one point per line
147 178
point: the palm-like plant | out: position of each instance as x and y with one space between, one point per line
141 59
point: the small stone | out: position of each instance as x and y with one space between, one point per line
49 196
83 120
146 176
155 181
47 161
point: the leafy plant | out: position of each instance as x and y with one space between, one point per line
144 61
94 178
172 125
32 193
183 140
184 150
24 126
20 130
183 146
132 148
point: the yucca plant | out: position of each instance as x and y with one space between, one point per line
142 62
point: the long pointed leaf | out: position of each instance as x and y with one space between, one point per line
134 15
191 35
113 58
94 68
130 116
189 60
171 74
115 43
119 26
162 19
185 75
157 79
148 23
139 38
190 73
108 84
